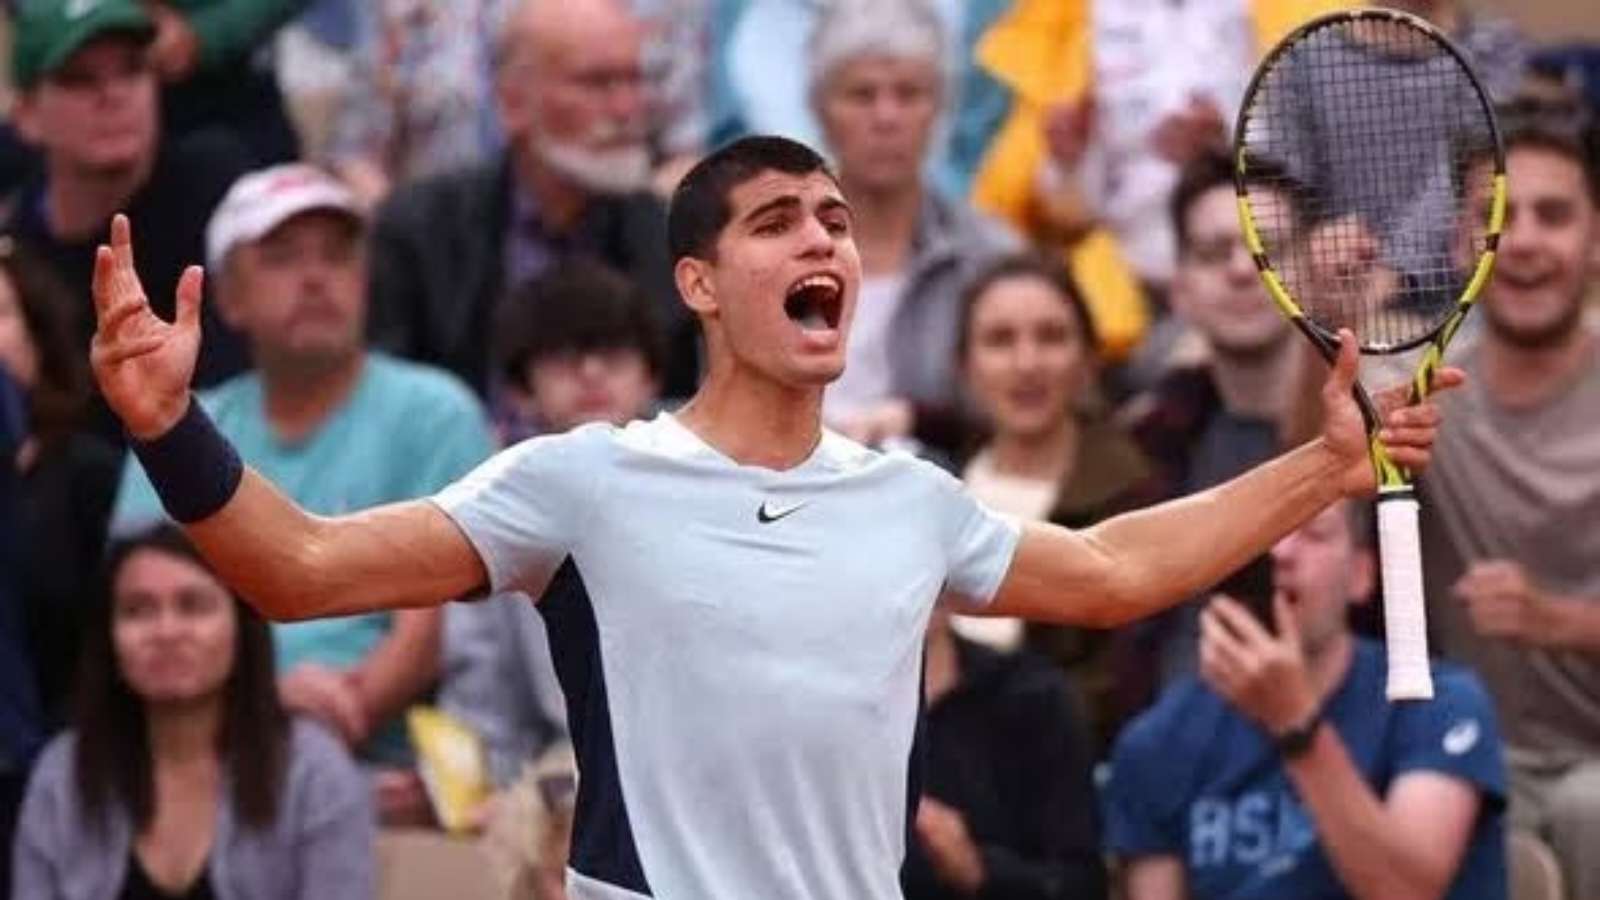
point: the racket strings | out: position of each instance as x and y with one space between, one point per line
1358 141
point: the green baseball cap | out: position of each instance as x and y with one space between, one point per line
47 32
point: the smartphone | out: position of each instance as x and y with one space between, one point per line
1252 586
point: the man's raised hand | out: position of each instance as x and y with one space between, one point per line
142 363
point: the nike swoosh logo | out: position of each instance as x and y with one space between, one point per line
766 515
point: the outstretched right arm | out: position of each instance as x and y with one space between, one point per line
292 565
288 563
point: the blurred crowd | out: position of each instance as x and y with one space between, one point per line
432 228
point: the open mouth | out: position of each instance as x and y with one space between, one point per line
815 302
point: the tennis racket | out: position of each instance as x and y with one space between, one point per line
1371 187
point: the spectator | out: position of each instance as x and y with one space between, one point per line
588 351
1215 413
1110 101
88 99
339 427
1029 360
214 56
1284 772
1513 530
21 724
878 86
183 776
1008 807
572 182
580 344
67 476
759 79
417 102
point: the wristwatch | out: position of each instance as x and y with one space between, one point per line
1296 741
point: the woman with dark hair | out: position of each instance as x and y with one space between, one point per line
1029 362
1008 806
182 776
66 477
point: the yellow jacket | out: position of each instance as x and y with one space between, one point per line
1040 50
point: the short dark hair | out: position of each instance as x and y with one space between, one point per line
53 323
1213 169
113 765
1210 170
578 306
701 207
1025 264
1563 128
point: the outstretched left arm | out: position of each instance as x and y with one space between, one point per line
1141 562
1138 563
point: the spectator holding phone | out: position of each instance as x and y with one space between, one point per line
1282 771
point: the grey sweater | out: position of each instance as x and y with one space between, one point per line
320 847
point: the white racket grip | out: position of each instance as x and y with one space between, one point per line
1405 618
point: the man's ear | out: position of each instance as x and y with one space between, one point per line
693 277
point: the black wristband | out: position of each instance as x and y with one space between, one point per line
1296 741
194 469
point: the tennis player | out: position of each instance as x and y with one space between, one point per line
735 597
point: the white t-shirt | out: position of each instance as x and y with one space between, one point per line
1150 56
740 648
867 379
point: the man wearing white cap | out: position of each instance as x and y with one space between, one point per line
339 427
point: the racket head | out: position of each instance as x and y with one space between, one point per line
1371 179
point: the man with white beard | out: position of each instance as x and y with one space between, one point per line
570 91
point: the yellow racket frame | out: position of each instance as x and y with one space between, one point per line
1391 477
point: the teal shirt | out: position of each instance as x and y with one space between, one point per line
405 432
